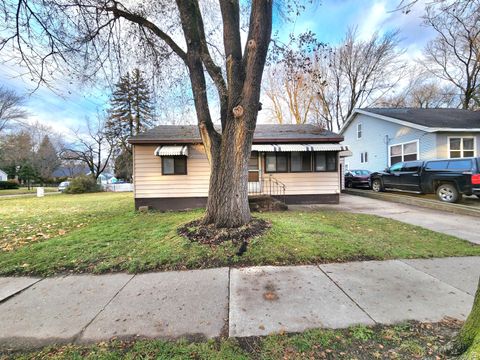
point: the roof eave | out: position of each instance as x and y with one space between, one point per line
336 139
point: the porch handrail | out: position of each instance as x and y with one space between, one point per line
267 186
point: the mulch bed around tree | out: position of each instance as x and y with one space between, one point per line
210 235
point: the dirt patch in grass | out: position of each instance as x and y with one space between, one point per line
210 235
409 340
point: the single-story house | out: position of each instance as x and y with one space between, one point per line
381 137
71 171
298 163
3 175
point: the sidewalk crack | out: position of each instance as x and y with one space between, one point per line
20 291
226 327
347 295
403 261
81 332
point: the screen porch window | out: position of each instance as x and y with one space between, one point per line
325 161
403 152
301 161
174 165
276 162
461 147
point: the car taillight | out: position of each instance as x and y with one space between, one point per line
476 179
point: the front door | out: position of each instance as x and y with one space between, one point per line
254 173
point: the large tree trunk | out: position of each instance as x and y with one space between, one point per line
467 342
229 150
227 204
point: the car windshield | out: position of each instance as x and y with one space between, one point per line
65 183
360 172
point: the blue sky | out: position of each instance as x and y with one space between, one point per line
70 104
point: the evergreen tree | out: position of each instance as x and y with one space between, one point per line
46 159
130 108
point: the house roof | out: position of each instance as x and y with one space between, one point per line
430 120
189 134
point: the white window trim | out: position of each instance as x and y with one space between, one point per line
362 157
361 131
403 155
461 145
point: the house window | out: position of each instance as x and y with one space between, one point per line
276 162
403 152
460 147
301 161
359 131
326 161
174 165
364 157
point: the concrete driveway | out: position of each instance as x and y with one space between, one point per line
462 226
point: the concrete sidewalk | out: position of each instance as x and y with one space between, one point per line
235 302
462 226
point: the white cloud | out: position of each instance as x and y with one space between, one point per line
372 21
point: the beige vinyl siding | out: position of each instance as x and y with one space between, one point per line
309 183
150 183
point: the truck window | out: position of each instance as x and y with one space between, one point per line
463 165
412 166
396 167
436 165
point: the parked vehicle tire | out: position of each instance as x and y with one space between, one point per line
349 184
377 185
448 193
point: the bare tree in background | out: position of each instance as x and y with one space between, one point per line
334 81
360 72
11 107
422 91
290 78
454 55
93 148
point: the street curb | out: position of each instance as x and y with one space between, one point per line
408 200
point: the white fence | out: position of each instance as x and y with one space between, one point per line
125 187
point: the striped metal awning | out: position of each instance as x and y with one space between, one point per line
171 150
298 147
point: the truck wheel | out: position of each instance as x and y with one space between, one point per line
448 193
377 185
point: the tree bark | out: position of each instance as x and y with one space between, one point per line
467 343
228 151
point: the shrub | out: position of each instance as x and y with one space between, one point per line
83 184
4 185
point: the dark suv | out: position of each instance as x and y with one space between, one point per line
449 178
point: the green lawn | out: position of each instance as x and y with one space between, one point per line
102 232
24 190
402 341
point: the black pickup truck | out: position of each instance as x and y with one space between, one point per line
449 178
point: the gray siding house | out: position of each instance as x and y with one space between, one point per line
381 137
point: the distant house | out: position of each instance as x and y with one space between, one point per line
3 175
380 137
171 170
70 171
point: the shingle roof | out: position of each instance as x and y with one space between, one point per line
263 134
434 118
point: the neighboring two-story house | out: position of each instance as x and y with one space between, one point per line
381 137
